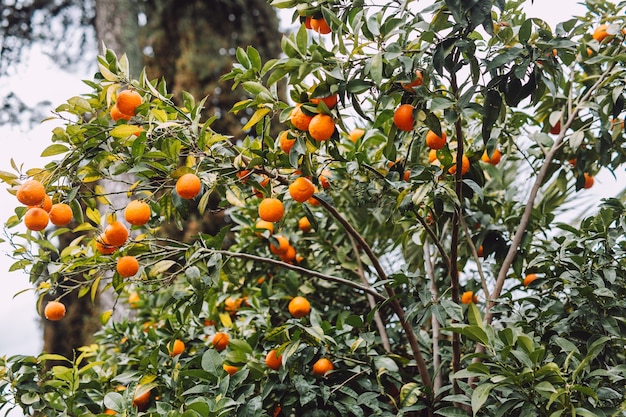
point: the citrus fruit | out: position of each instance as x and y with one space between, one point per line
220 341
301 189
31 193
299 307
417 81
128 101
321 127
480 251
494 159
464 167
232 305
273 360
116 114
403 117
176 348
134 299
330 101
230 369
588 181
36 219
304 224
289 255
127 266
137 213
271 209
600 33
467 297
110 412
54 310
356 134
103 246
320 26
46 204
188 186
529 278
281 247
141 398
307 22
434 141
285 142
262 224
60 214
556 129
323 179
322 366
299 119
432 155
116 234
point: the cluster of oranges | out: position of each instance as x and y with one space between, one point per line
125 105
41 210
316 23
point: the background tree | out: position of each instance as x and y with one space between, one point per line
487 305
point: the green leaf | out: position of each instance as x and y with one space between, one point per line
376 68
480 395
302 40
473 316
54 149
410 394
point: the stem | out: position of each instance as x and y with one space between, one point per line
433 236
430 272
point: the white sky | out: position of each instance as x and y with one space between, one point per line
39 80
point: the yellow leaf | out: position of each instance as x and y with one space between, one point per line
256 117
226 320
101 195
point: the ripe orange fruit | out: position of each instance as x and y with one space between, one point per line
141 399
556 129
277 410
434 141
230 369
330 101
220 341
128 101
299 307
289 255
60 214
116 234
323 179
285 142
54 310
356 134
110 412
407 175
464 168
432 155
588 181
417 81
31 193
103 246
322 366
320 26
403 117
271 209
600 33
116 114
307 22
262 224
127 266
137 213
467 297
232 305
299 119
134 299
273 360
529 278
46 204
495 157
480 251
304 224
176 348
283 245
321 127
36 219
301 189
188 186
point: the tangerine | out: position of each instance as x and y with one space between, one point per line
230 369
232 305
137 213
321 127
588 181
322 366
467 297
320 26
301 189
271 209
116 114
289 255
220 341
54 310
36 219
600 33
134 299
60 214
464 167
141 398
31 193
285 143
273 360
434 141
262 224
188 186
46 204
417 81
176 348
330 101
403 117
103 246
299 307
283 245
494 159
116 234
127 266
432 155
529 278
304 224
299 119
128 101
356 134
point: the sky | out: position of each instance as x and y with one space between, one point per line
39 79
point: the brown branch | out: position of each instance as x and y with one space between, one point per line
433 236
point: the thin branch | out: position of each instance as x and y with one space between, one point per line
436 326
468 238
433 236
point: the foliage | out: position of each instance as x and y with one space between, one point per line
388 254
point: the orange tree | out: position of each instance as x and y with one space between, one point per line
360 272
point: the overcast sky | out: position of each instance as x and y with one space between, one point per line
39 80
